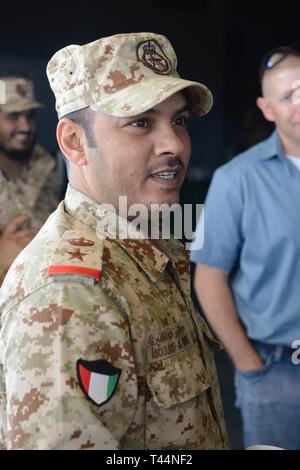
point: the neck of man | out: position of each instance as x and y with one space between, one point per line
13 168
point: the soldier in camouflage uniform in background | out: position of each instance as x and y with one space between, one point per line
29 189
100 345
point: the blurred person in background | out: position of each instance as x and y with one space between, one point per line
29 187
248 272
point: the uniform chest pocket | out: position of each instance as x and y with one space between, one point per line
177 379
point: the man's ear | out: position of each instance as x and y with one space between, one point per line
70 138
265 108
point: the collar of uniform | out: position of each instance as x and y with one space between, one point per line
40 165
179 259
272 148
108 225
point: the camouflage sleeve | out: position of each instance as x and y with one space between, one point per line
2 410
69 368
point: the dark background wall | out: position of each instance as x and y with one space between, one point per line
218 42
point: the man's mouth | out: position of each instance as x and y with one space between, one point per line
167 174
22 137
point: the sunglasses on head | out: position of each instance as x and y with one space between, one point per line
277 55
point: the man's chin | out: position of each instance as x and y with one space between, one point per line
21 154
168 201
167 197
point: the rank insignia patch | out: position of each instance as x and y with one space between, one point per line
80 241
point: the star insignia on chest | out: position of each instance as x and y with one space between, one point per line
76 254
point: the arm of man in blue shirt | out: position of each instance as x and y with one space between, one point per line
214 294
223 239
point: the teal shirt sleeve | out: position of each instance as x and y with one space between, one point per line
222 223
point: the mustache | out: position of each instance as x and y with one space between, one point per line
171 162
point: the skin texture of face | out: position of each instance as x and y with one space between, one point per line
278 105
17 134
144 157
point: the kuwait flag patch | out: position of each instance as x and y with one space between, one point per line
98 380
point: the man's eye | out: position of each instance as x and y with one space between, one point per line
13 116
181 121
287 98
140 123
31 115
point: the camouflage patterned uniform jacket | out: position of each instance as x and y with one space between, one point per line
100 346
39 194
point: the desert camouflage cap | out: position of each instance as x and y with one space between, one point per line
17 95
122 75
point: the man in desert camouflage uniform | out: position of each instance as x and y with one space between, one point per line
28 182
100 345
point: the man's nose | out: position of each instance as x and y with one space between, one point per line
24 124
169 142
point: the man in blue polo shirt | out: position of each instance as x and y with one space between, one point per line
248 272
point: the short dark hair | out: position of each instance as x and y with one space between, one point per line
84 117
